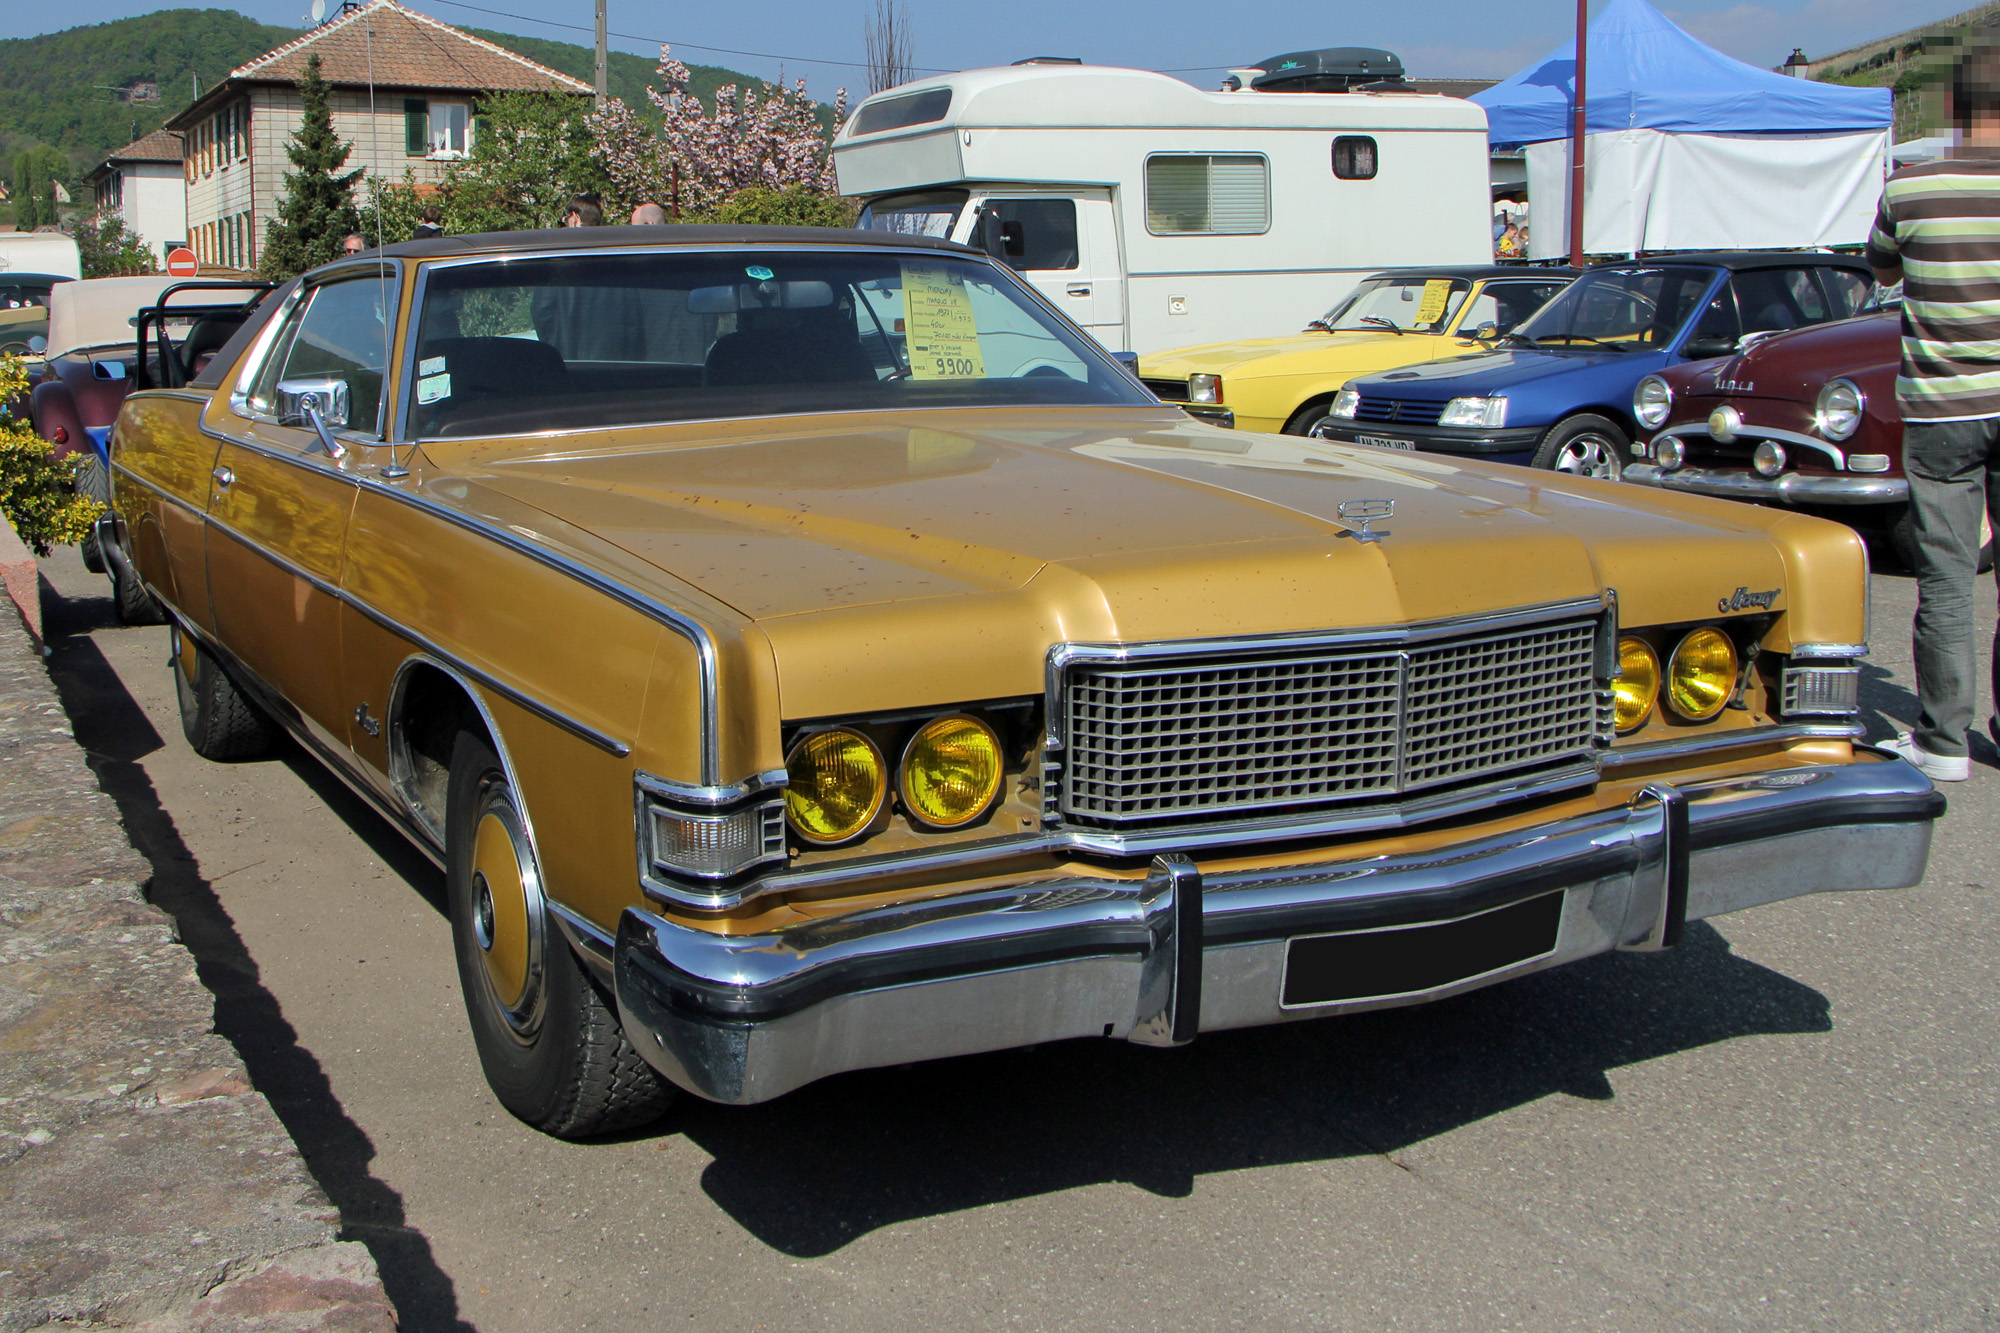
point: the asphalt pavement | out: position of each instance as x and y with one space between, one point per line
1788 1123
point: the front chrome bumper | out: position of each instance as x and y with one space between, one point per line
743 1019
1790 489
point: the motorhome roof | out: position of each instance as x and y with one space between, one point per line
1077 96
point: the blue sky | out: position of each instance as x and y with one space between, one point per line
1438 38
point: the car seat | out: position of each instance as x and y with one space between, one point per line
789 347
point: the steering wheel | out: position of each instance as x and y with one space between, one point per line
20 348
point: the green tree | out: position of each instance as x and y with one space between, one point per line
36 172
530 157
318 207
108 248
795 206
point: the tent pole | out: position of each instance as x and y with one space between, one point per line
1576 138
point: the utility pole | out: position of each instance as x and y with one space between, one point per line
603 68
1576 137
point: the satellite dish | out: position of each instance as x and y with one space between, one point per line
319 11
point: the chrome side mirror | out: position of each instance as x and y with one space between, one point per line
322 404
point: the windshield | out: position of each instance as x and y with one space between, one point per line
915 214
24 311
1630 308
609 340
1412 305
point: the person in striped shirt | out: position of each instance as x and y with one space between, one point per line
1938 233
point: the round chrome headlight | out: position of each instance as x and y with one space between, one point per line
1838 410
1637 686
836 785
1724 422
1701 677
1652 401
1769 460
1669 452
951 771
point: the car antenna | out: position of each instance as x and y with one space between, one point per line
395 471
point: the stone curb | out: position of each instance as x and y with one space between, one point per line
23 579
143 1183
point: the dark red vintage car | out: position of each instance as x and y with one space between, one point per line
1806 419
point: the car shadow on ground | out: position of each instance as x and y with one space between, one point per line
116 734
815 1170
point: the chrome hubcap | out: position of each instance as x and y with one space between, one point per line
1588 456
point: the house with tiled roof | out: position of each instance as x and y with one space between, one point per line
403 88
142 182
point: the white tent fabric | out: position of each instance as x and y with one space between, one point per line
1651 190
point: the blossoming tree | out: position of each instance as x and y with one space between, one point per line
701 159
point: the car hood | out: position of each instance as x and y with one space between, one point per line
1260 355
1794 364
1124 528
1483 373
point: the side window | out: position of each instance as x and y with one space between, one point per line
1354 157
1719 320
1846 291
1807 295
337 334
1505 304
1030 234
1771 299
1198 194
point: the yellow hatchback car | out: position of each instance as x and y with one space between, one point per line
1395 318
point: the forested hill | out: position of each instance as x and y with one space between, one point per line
63 88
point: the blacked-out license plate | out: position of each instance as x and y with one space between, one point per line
1404 960
1384 442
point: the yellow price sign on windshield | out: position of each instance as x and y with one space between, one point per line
1436 292
943 335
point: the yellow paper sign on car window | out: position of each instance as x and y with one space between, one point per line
943 335
1436 292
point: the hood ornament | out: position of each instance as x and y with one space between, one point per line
1364 512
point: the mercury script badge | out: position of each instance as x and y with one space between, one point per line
1364 512
1743 599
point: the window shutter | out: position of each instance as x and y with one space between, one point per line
480 125
416 127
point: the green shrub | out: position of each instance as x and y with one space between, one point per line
37 491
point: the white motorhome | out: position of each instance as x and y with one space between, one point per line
1157 215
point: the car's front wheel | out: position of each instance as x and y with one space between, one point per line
1585 445
548 1036
1308 419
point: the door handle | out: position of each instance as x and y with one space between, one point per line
223 476
1078 291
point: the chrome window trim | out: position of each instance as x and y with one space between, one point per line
253 362
1834 452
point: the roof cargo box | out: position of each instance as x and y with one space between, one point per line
1334 69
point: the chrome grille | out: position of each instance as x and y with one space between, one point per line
1181 738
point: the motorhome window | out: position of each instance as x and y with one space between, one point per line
1029 235
588 340
1638 308
1354 157
1384 305
896 113
1198 194
915 214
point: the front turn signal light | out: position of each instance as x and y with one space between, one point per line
1638 685
1701 677
836 785
951 771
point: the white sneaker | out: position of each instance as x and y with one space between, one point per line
1936 767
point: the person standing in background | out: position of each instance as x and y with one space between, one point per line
431 225
1938 233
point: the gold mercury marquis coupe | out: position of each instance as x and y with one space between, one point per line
1395 318
805 651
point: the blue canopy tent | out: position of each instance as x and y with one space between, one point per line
1687 148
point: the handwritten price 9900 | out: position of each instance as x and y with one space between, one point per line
954 368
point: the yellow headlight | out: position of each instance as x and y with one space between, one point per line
951 771
1701 678
837 785
1638 683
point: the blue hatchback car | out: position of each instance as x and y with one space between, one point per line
1557 391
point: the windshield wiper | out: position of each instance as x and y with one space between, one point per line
1318 326
1511 337
1389 324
